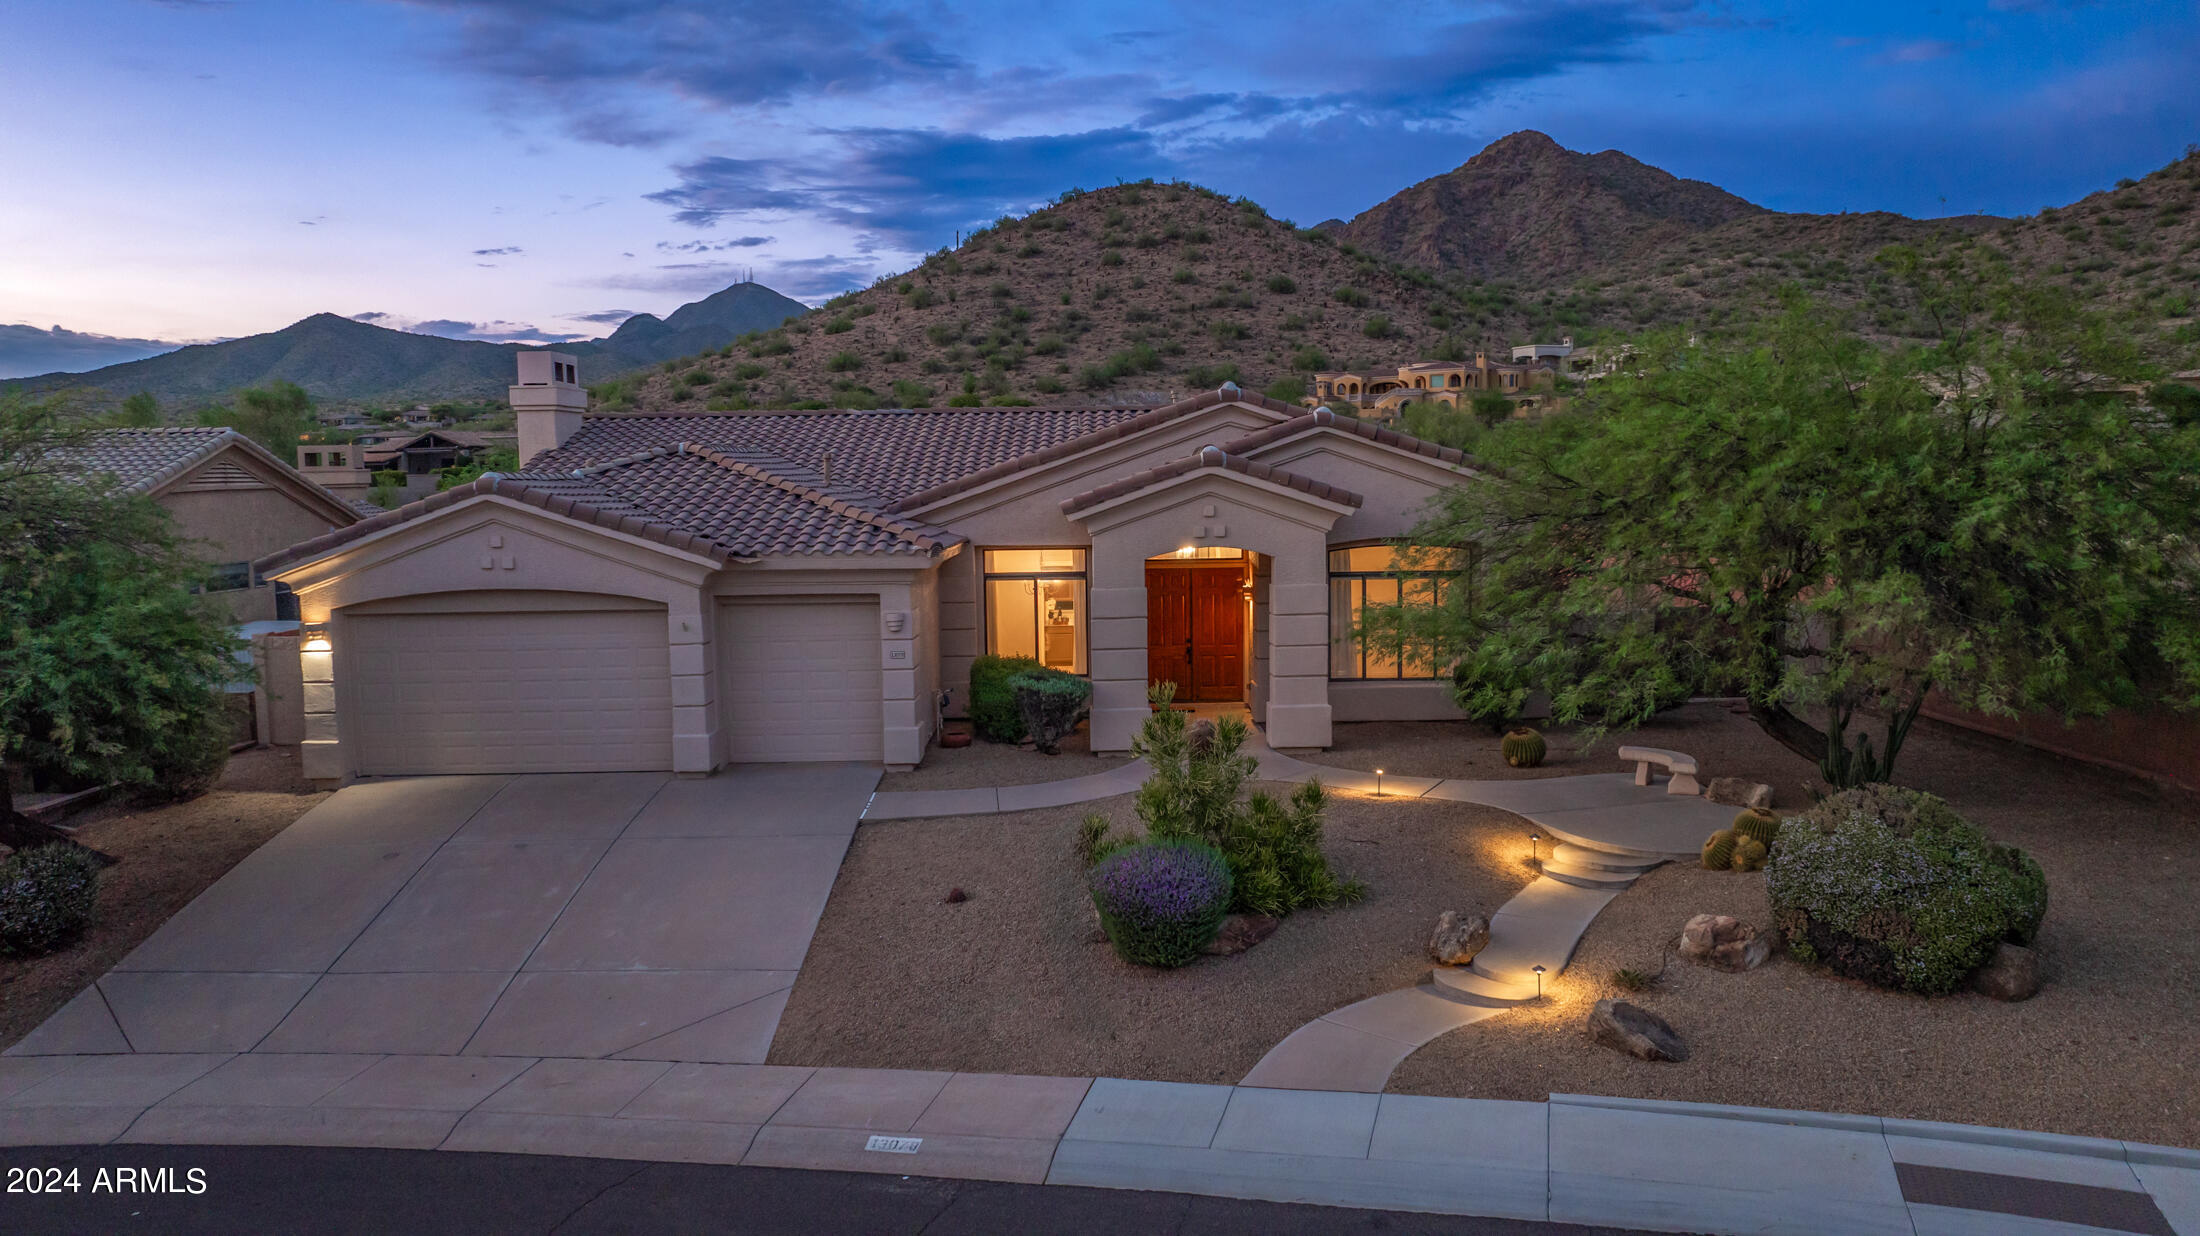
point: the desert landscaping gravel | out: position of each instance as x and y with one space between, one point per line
1009 981
985 763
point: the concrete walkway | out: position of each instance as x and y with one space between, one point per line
1578 1159
589 914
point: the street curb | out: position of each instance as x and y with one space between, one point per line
1720 1111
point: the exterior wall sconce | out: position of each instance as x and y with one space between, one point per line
316 634
895 622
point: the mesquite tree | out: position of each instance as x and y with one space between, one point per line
1824 523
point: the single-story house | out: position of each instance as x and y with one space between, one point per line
226 494
681 591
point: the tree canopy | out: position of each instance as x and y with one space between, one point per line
1816 521
110 663
273 416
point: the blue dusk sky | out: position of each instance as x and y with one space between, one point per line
535 169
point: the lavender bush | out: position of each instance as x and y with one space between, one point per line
1161 902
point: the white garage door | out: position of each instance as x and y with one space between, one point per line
801 680
507 692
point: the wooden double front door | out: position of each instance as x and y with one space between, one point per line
1195 631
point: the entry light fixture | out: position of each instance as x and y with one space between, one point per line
316 637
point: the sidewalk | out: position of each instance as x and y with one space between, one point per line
1578 1159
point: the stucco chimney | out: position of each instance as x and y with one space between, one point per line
547 402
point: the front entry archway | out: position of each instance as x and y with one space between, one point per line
1197 620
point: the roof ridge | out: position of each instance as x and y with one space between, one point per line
1324 417
1211 456
920 535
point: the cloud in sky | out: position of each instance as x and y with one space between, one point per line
481 332
506 251
712 246
602 317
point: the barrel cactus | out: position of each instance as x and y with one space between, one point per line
1161 902
1757 824
1523 747
1718 850
1749 854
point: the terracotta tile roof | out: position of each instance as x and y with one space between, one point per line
141 459
1324 418
1209 457
888 454
1120 429
686 496
569 498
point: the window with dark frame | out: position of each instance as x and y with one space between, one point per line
1365 575
1035 605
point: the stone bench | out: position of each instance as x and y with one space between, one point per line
1682 767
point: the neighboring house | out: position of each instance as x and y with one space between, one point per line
422 416
352 469
1558 356
1381 394
683 591
332 419
226 494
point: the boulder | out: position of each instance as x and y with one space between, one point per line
1635 1030
1240 932
2012 974
1735 792
1724 942
1200 736
1458 937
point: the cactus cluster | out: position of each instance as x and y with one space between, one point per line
1757 824
1749 854
1523 747
1718 850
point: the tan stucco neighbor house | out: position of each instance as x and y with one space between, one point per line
226 494
679 592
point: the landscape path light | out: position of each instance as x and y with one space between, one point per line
1539 983
1378 783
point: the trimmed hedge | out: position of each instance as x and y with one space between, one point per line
46 898
1161 901
1050 703
1891 886
993 701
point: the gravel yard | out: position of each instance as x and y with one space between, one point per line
2106 1049
1010 981
985 763
169 855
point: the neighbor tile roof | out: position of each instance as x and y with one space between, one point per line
1209 457
141 459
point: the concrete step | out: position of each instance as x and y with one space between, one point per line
1588 877
1578 857
1467 987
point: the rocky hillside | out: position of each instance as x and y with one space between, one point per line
1138 292
1529 210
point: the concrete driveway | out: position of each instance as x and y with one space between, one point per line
630 915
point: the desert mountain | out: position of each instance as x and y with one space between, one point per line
338 360
1526 208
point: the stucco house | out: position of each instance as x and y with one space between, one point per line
685 591
1381 393
226 494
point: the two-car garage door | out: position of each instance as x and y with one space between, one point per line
590 690
577 691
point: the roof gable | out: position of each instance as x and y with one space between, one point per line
1211 460
183 459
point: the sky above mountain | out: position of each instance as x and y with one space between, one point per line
538 169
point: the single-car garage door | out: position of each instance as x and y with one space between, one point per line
585 691
800 680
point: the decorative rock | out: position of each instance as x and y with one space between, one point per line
1240 932
1735 792
1458 937
1635 1030
2013 974
1724 942
956 896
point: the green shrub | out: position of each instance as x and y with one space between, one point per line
46 898
188 756
1891 886
1377 327
837 325
1050 703
1282 285
1161 902
992 701
843 362
1350 296
1274 849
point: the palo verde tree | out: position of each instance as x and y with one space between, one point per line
110 664
1824 524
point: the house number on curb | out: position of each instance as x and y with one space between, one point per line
893 1145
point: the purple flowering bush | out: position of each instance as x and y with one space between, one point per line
1161 901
